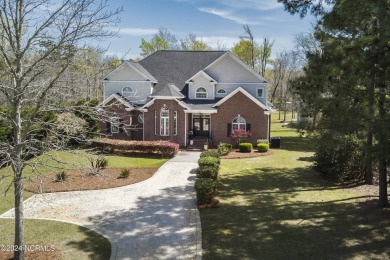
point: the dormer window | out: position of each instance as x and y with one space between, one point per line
201 93
127 92
221 92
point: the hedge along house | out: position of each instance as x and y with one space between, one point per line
180 95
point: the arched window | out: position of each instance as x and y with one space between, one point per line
201 93
221 92
164 122
127 92
239 123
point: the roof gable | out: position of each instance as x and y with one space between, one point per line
119 99
201 74
240 89
229 68
129 71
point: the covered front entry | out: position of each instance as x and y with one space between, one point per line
201 125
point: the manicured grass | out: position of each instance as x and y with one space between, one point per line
75 242
277 207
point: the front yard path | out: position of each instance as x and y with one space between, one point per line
156 218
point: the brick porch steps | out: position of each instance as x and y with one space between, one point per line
198 144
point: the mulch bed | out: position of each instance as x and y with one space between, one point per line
34 255
80 179
236 154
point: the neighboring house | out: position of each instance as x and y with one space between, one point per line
179 95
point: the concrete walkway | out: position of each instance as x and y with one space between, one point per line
156 218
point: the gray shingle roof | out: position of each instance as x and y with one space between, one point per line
195 104
169 90
175 67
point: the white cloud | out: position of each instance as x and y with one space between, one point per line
136 31
263 5
226 15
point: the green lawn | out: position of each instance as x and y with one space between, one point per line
74 241
277 207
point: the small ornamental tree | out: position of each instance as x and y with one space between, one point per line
240 135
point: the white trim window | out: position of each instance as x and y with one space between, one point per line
164 122
260 92
221 92
175 123
239 123
155 122
127 92
201 93
115 125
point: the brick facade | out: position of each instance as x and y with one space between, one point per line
239 104
152 123
131 128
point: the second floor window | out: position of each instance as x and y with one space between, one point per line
201 93
127 92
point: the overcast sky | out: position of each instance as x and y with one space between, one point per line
215 22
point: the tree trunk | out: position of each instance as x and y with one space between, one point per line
19 218
17 166
368 175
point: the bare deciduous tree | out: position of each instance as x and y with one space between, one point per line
39 42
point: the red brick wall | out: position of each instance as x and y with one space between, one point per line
149 122
241 105
132 129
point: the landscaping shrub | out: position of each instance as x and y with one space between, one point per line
262 148
61 176
209 162
205 189
97 164
214 154
210 172
246 147
125 173
164 148
224 148
339 158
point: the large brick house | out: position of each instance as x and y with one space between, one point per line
183 95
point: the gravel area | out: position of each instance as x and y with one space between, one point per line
156 218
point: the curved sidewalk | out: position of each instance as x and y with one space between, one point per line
156 218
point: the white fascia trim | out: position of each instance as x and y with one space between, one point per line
234 57
244 83
138 71
204 74
165 97
181 103
201 111
151 102
240 89
125 81
115 96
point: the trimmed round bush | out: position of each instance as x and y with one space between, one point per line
209 161
245 147
207 172
214 154
262 148
205 189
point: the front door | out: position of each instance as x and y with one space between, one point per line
201 127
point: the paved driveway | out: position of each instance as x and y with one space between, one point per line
156 218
